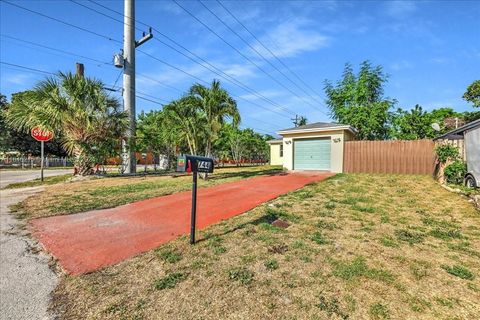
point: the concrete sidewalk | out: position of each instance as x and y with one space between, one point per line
13 176
26 280
87 241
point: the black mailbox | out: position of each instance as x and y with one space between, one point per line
195 164
188 163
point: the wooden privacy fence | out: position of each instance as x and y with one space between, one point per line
396 156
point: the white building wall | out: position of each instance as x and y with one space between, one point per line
337 138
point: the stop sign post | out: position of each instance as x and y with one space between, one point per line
41 135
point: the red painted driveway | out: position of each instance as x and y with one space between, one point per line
87 241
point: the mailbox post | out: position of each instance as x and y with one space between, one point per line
194 164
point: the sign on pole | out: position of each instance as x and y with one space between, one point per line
41 135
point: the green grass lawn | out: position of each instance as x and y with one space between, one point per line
72 197
358 246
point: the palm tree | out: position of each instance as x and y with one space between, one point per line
218 106
302 121
185 113
91 122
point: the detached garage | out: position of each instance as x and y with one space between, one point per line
316 146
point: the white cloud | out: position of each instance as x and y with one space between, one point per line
238 70
291 38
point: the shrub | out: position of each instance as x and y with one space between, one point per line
455 172
447 152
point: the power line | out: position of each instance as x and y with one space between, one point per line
117 89
141 95
61 21
254 49
241 54
27 68
266 48
56 75
215 70
187 73
55 49
83 57
114 40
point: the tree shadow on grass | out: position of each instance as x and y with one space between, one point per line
265 218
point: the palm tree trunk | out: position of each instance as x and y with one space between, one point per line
83 164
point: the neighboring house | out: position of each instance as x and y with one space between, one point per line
315 146
470 135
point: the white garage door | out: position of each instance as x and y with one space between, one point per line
311 154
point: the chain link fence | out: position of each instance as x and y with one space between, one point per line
35 162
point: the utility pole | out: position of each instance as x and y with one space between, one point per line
295 120
129 85
129 45
80 69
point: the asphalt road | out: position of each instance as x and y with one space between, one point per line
26 279
11 176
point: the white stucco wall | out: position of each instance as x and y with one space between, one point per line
337 138
275 159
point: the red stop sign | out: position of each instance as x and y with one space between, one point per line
40 134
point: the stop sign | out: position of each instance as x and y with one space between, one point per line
40 134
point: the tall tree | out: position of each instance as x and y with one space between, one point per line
217 106
185 113
79 108
302 121
412 125
12 140
358 100
157 134
473 93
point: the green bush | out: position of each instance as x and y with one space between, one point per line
447 152
455 172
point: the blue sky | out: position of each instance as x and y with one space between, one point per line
429 49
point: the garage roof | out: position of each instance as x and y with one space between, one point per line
275 141
318 126
458 133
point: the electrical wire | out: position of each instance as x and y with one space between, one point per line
255 50
56 75
266 48
243 55
210 66
105 37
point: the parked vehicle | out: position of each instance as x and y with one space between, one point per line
472 150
